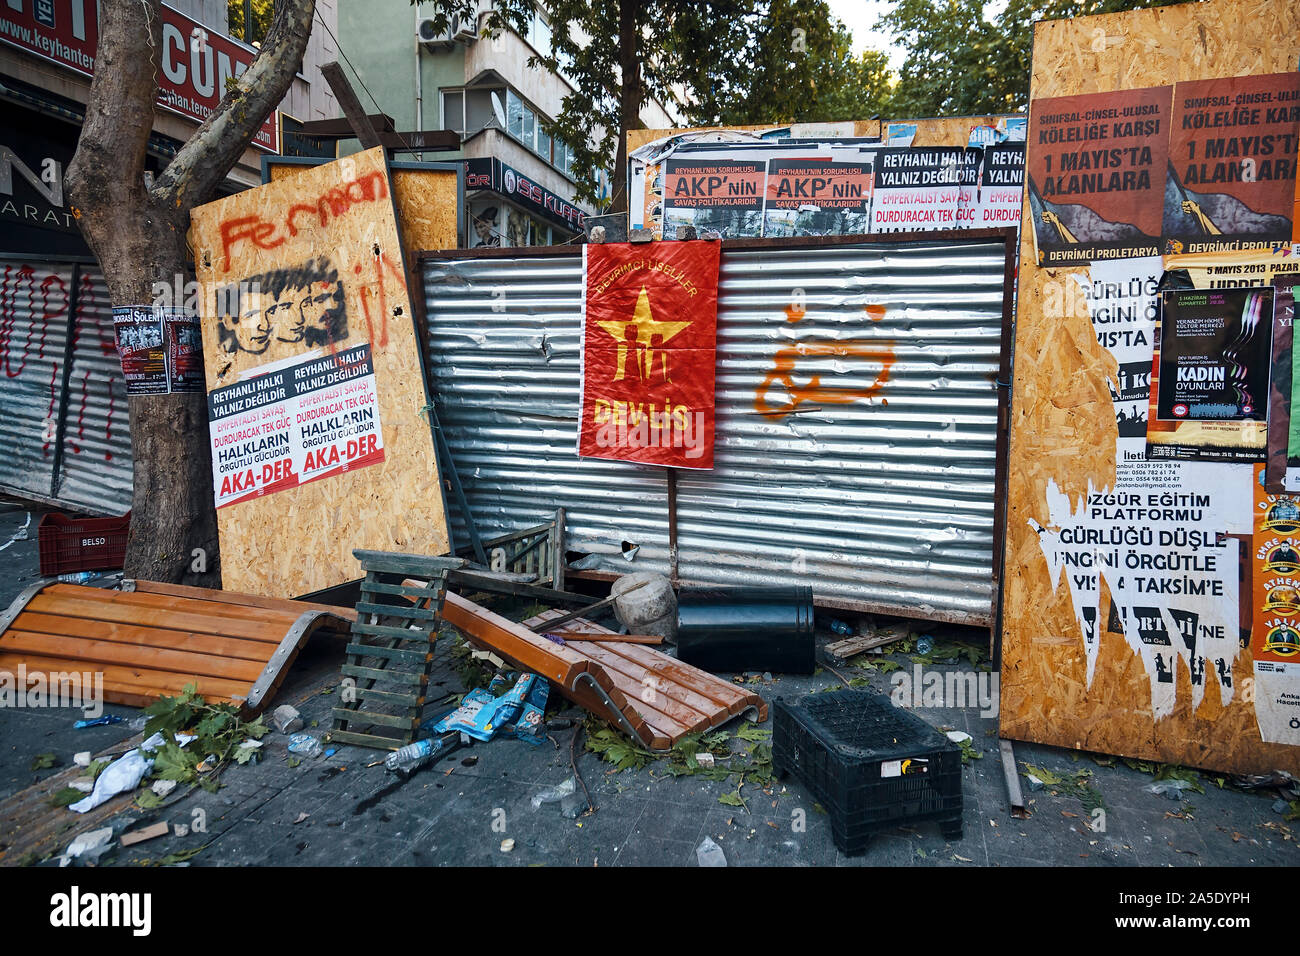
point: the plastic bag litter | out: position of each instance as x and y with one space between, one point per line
124 773
88 847
555 794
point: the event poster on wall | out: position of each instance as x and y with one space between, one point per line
1232 163
1209 375
1096 171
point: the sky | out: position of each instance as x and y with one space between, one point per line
860 16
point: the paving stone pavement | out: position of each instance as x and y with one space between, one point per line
338 811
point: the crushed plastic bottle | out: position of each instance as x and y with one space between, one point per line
841 627
412 757
710 854
305 744
924 645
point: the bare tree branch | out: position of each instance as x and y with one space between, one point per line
216 146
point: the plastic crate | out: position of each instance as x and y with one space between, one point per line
872 765
68 545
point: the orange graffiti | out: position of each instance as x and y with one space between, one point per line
782 372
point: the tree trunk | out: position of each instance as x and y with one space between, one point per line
629 98
138 234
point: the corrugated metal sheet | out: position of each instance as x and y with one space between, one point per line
884 501
35 300
85 404
96 471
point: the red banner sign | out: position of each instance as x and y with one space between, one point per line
194 62
648 350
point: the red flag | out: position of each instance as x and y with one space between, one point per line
649 344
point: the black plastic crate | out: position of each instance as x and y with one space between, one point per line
872 765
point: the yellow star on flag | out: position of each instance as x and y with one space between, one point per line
647 329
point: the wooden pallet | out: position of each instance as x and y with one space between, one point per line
655 698
386 674
151 639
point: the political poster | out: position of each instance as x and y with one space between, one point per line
919 190
1096 169
816 197
648 352
720 198
1232 163
294 424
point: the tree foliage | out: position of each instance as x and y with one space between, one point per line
798 66
961 64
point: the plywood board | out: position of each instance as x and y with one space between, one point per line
426 202
1064 433
426 208
334 226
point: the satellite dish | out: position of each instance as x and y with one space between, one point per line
499 110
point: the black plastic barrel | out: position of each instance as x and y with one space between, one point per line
731 630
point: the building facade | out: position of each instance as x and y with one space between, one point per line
61 387
519 182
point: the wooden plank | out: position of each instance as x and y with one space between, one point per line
398 562
375 673
185 605
389 697
527 650
153 831
246 600
401 590
233 647
358 717
130 655
390 653
1011 775
134 680
403 611
363 740
387 630
157 617
610 638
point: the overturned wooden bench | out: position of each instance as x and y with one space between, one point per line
654 698
152 639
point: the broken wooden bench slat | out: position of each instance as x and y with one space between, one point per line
157 638
610 679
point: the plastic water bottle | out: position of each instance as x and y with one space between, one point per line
924 645
413 756
81 577
840 627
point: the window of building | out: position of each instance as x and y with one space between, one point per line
478 108
530 129
468 111
514 115
248 20
453 110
